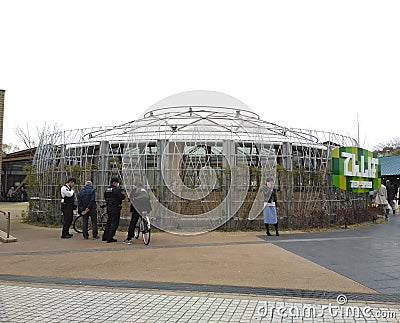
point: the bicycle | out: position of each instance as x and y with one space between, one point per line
144 226
102 217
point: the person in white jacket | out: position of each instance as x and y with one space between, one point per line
67 207
381 200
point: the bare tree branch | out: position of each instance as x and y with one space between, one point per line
390 147
31 138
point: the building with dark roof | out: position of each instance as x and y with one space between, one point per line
14 170
390 169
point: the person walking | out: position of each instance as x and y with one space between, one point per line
67 206
113 197
381 200
87 207
390 195
270 201
140 202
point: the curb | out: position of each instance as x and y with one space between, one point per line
207 288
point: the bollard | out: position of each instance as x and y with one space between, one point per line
8 218
7 237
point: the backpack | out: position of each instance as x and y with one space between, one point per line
140 200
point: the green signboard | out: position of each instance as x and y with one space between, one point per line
355 169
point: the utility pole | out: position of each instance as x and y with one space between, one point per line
1 132
358 131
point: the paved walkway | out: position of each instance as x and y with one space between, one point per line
370 255
49 304
217 258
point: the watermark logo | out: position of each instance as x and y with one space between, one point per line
340 309
341 299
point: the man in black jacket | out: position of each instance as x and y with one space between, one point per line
113 197
140 202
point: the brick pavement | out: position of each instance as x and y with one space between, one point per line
32 303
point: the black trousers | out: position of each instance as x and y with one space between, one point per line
132 224
114 213
67 211
93 217
275 226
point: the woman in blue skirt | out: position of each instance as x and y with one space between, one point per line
270 215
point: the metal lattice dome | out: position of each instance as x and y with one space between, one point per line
204 157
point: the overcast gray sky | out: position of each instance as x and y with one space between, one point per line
306 64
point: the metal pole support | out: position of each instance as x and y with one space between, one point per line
8 218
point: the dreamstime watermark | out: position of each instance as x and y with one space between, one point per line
336 310
202 155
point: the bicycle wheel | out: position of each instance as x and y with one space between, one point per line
146 230
78 224
102 221
136 231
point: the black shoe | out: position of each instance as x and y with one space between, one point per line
269 234
112 240
103 239
66 237
69 234
95 238
86 238
277 234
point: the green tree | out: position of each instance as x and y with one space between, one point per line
8 148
